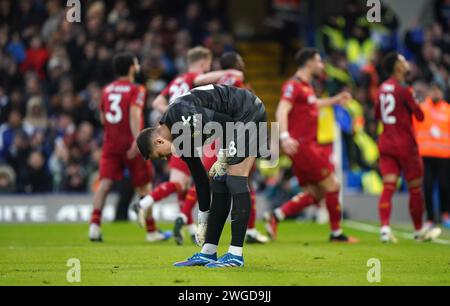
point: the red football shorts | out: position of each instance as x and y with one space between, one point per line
410 164
112 166
311 164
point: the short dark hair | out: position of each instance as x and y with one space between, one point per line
304 55
122 63
228 60
144 142
389 62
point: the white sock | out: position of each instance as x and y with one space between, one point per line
209 249
236 251
279 214
336 233
252 232
146 202
203 216
192 229
386 230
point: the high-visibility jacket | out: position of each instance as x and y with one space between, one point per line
326 129
433 134
360 53
335 36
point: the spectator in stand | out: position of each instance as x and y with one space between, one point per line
7 180
35 177
433 137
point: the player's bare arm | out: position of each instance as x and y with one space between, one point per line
290 145
215 76
341 99
135 126
160 104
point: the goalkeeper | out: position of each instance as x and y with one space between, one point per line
186 126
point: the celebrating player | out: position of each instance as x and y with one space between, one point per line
122 116
398 148
199 62
220 104
298 117
228 61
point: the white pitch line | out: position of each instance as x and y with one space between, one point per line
376 230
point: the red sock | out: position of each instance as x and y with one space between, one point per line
334 210
416 207
297 204
96 217
188 206
164 190
181 197
151 225
252 220
385 204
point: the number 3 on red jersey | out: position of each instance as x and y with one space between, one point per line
387 104
115 114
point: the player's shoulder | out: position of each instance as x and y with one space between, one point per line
392 85
188 76
294 87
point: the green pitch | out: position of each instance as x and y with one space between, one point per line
38 254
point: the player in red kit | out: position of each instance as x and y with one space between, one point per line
229 61
199 63
121 113
298 117
399 151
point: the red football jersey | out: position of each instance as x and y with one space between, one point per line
394 108
117 99
231 80
179 86
304 116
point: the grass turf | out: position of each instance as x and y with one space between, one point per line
37 255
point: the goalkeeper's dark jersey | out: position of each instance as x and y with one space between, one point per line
214 103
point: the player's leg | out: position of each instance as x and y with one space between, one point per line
202 186
311 195
331 188
141 173
185 217
178 182
413 169
191 199
110 169
253 236
212 217
95 234
238 185
390 172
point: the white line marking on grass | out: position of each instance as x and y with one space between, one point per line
376 230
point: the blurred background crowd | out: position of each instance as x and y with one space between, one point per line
52 72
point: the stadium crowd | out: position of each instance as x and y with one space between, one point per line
52 72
